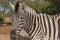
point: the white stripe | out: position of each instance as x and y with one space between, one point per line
37 25
30 10
32 25
52 29
34 31
47 26
56 28
42 22
18 28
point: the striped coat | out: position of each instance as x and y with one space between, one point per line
38 26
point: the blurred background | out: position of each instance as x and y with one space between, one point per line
41 6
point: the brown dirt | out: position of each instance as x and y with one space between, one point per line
4 37
5 29
4 32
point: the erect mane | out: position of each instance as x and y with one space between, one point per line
17 6
27 8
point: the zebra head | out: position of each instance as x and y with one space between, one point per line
20 14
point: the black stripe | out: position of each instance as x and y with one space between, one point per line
39 26
34 25
29 30
32 17
45 25
39 31
28 18
49 26
27 27
59 27
41 23
39 35
35 28
54 27
30 24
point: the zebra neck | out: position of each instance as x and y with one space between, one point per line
33 26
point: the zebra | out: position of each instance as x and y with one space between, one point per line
38 26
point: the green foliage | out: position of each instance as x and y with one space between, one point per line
45 6
4 3
1 17
41 6
55 6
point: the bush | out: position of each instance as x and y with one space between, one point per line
1 18
44 6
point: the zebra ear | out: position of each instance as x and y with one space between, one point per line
12 6
24 5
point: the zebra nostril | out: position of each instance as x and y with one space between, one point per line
21 17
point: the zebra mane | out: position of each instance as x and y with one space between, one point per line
17 6
27 8
30 9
